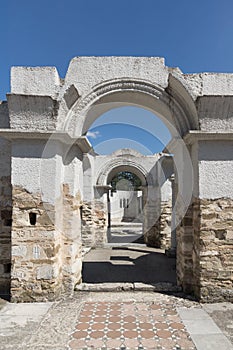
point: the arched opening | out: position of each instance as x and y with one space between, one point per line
125 210
125 256
176 111
128 127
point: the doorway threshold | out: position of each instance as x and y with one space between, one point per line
121 287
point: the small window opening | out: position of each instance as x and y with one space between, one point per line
32 218
7 268
81 212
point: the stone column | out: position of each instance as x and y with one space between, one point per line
100 214
215 205
171 251
152 212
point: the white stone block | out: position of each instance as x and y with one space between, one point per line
19 251
45 272
217 84
34 81
86 72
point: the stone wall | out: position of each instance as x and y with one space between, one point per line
5 214
185 250
36 249
71 239
159 234
204 250
216 248
165 225
94 224
5 234
87 227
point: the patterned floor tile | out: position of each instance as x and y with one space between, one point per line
129 325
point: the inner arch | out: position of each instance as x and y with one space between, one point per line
178 113
128 127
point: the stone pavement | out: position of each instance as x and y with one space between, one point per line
116 320
128 264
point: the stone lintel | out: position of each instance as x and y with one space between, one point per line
64 137
83 143
194 135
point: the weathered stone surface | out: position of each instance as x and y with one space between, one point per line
94 224
5 230
36 265
44 244
216 244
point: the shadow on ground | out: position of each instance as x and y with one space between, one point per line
128 264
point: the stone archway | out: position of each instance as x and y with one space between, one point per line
197 109
103 167
169 100
130 164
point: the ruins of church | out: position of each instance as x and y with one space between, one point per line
56 192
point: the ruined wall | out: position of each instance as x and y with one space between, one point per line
94 223
46 232
205 235
5 216
71 240
37 221
46 248
216 246
151 224
185 250
5 204
165 224
36 248
214 241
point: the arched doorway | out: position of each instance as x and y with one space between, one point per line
177 113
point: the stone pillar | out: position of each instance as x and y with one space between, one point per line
5 217
183 215
95 219
185 245
215 268
173 216
37 244
152 212
216 246
100 214
166 217
36 249
171 250
71 237
165 225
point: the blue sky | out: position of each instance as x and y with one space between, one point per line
196 35
126 126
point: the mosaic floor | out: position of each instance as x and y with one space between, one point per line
129 325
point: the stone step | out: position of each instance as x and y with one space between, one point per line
136 286
126 224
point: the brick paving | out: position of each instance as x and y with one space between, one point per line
129 325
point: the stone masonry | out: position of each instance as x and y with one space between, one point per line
54 188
